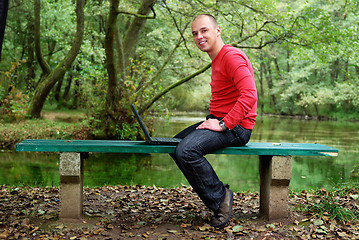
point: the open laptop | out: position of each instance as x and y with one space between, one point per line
154 140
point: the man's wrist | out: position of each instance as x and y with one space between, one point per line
223 125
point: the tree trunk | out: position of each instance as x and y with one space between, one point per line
39 56
45 86
30 63
113 111
261 71
109 50
133 33
75 100
270 83
346 71
66 93
335 71
58 90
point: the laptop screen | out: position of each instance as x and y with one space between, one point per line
142 125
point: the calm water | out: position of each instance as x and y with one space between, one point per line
241 172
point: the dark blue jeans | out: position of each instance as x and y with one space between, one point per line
189 156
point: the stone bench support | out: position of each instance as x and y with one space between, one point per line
275 174
71 185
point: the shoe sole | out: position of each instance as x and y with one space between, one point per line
230 211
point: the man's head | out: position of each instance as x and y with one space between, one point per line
207 34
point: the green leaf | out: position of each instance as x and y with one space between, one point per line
237 228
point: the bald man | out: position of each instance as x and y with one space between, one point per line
230 122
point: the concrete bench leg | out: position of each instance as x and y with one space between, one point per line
275 174
71 185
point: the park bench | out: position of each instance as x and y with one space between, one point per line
275 167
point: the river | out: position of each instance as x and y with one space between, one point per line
240 172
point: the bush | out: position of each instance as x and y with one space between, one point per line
13 105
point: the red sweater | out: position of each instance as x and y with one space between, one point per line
234 92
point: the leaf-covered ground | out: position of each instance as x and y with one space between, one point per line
137 212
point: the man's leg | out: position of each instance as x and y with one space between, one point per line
199 172
189 156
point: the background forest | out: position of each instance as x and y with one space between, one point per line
103 55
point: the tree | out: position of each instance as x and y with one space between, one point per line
51 77
121 49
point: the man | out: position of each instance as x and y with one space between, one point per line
232 117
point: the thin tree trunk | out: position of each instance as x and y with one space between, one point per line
113 111
45 86
66 94
58 89
270 84
261 100
39 56
30 63
346 71
133 33
109 50
75 101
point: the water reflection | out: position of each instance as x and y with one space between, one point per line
241 172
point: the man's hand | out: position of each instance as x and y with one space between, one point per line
211 124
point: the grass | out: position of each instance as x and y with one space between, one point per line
59 124
331 207
338 204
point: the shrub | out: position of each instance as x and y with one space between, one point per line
13 105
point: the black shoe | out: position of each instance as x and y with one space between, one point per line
222 215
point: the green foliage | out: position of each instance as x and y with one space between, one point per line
127 131
12 106
13 101
304 52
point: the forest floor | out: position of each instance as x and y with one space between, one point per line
138 212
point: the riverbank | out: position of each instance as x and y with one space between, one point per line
72 124
12 133
138 212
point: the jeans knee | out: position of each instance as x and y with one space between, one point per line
187 154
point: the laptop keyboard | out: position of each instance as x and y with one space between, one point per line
159 139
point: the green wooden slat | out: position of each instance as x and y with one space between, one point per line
108 146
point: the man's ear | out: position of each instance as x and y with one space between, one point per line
218 29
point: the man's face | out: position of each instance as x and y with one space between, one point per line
205 33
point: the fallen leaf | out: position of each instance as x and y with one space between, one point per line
173 232
270 227
320 231
318 222
41 212
261 229
355 196
237 228
205 227
61 226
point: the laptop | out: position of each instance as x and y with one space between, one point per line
154 140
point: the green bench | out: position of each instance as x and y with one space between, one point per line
275 167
